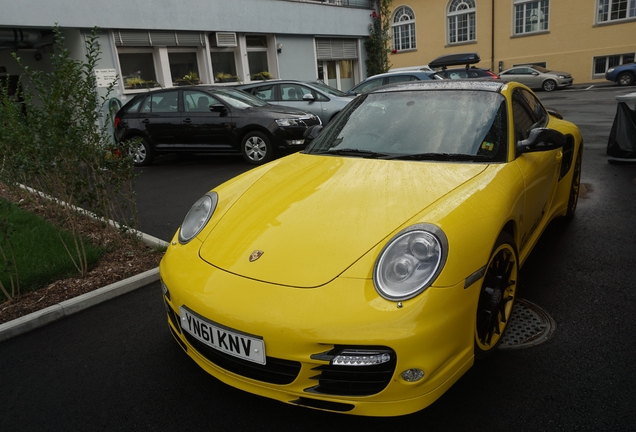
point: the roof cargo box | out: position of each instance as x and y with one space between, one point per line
455 60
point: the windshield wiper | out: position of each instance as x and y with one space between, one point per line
352 151
440 157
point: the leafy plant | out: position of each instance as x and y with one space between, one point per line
59 143
264 75
378 44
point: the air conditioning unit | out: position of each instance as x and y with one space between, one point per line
225 39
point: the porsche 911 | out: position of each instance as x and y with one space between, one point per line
367 273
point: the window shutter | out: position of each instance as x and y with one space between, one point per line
144 38
336 49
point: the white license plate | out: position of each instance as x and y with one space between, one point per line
223 339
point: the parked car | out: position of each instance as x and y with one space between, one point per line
423 68
376 81
365 274
623 75
209 119
314 97
537 77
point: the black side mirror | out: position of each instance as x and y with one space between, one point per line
220 108
311 133
541 139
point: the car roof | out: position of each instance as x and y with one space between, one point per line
459 84
402 72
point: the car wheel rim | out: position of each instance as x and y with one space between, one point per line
138 153
255 148
497 297
549 86
625 80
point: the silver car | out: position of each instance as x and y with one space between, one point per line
537 77
314 97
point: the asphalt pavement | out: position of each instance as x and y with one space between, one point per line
115 366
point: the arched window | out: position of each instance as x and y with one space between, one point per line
403 28
461 21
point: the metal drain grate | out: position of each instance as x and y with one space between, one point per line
529 326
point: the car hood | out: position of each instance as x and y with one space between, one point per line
557 73
313 216
280 111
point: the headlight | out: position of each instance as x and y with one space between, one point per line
561 76
198 215
610 70
410 262
289 122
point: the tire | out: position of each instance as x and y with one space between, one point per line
549 85
625 79
574 188
257 148
496 297
141 152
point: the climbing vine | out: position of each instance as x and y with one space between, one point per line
378 44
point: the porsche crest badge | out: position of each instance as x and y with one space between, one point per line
256 255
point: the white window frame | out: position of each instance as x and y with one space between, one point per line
457 10
607 8
622 59
522 11
403 27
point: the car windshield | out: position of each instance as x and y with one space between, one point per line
328 89
462 125
239 99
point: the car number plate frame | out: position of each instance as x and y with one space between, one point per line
224 339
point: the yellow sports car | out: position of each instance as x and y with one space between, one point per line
366 274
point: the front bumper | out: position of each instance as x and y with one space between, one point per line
301 328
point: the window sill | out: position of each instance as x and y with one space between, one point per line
616 21
453 44
528 34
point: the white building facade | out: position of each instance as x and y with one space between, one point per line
149 43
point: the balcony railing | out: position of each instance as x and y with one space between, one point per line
364 4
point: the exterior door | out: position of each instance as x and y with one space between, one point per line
206 129
160 117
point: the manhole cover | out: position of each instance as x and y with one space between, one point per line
529 326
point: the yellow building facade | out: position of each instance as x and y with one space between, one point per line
582 37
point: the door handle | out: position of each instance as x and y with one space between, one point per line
145 121
187 120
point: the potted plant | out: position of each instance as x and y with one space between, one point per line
264 75
225 77
191 78
139 83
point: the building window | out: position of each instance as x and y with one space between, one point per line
612 10
137 69
531 16
403 28
602 64
257 54
223 65
461 21
184 68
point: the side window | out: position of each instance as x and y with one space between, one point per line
265 93
195 101
164 102
527 112
293 92
402 78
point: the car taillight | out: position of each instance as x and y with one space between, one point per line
117 119
492 74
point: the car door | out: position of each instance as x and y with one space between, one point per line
206 129
540 170
292 95
160 117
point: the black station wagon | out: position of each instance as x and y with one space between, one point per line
208 119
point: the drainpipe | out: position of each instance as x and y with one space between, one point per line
492 36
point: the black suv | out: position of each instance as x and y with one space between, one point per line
208 119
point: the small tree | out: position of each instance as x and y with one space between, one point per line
378 44
55 143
